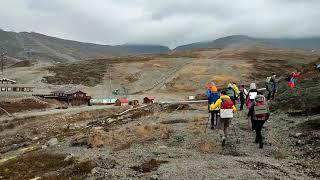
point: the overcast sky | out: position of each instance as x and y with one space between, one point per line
165 22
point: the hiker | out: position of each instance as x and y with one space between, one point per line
231 93
259 114
292 79
253 92
242 96
227 108
271 86
213 96
236 91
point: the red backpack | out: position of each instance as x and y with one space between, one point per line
227 104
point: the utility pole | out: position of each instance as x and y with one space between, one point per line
2 61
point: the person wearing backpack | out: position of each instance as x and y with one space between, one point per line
227 108
253 92
271 86
242 96
293 77
213 96
259 113
231 93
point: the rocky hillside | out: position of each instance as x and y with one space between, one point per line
42 48
237 41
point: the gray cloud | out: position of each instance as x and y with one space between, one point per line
166 22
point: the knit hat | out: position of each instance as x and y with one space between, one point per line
253 86
214 89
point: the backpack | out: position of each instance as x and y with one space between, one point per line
227 104
288 78
261 109
230 92
213 97
226 110
252 95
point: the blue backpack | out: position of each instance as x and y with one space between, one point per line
213 97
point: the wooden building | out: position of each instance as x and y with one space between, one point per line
149 100
122 101
71 95
8 85
7 81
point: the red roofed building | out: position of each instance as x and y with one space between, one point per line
122 101
149 99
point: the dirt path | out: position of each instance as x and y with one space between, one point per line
190 149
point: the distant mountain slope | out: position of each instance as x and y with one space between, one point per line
44 48
237 41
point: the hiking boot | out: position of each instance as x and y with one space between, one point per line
212 127
223 141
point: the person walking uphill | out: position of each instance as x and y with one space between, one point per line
213 96
231 93
259 113
292 79
253 92
242 96
271 86
227 108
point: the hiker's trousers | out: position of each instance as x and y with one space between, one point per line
214 117
257 126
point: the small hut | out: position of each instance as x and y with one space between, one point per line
122 101
149 100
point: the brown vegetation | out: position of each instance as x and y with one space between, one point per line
20 105
88 73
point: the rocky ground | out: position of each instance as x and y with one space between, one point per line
162 141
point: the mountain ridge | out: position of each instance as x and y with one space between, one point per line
43 48
237 41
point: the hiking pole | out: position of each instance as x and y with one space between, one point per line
207 124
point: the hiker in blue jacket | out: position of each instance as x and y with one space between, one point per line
213 96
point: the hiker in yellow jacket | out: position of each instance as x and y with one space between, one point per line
217 105
223 123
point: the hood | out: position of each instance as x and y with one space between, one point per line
260 98
224 97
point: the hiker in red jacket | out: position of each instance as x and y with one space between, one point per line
292 79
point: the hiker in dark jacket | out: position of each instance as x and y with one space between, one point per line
231 93
253 92
213 96
259 113
272 86
243 95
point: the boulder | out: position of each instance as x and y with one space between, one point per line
154 177
80 140
298 135
52 142
68 158
96 137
